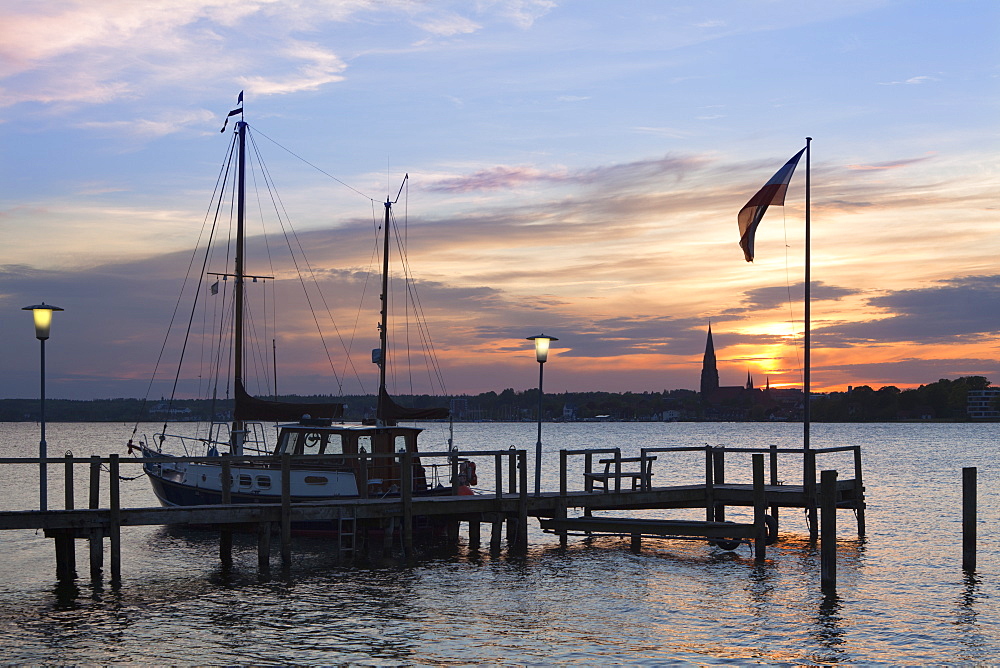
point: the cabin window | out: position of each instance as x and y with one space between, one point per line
311 443
245 480
401 444
365 443
316 480
263 482
335 446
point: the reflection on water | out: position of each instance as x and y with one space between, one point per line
828 628
901 595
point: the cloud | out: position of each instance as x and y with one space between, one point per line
894 164
772 297
503 177
955 310
450 24
321 67
912 81
522 13
910 371
166 122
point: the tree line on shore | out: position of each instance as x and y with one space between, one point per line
943 400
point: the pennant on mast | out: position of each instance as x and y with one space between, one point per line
239 101
773 192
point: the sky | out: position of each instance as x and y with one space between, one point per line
576 168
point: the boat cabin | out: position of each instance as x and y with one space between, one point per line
321 438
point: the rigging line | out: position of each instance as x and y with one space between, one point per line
372 261
197 293
270 263
276 201
420 318
401 249
318 169
279 210
788 290
223 170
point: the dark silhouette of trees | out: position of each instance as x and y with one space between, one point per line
943 400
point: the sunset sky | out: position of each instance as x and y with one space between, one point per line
576 167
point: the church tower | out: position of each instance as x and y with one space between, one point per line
709 371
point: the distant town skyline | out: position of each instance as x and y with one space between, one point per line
576 167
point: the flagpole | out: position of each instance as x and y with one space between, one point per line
808 311
808 463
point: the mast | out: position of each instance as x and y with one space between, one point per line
384 319
238 425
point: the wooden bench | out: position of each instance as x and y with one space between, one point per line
640 475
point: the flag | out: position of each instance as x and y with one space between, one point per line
773 192
215 288
239 101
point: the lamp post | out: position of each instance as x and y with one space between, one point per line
43 322
541 354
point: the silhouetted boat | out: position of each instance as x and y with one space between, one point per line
302 429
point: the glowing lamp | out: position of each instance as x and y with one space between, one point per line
43 319
542 346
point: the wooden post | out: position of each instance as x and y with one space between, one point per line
513 462
859 492
646 467
636 543
719 464
263 548
497 528
286 510
116 520
969 512
225 531
828 547
474 534
70 547
406 464
96 535
759 509
563 490
363 482
65 556
774 478
522 506
809 488
709 486
618 470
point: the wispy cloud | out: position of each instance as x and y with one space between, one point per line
893 164
321 67
506 177
166 122
912 81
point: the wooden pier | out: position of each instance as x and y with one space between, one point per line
616 484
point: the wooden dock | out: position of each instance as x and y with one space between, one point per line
616 484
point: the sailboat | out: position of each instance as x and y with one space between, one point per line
325 462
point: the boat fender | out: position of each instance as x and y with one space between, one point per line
473 479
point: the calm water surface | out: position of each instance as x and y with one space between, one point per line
902 596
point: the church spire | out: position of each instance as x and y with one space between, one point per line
709 371
749 380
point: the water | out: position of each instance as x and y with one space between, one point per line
902 597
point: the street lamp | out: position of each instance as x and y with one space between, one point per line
541 354
43 322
